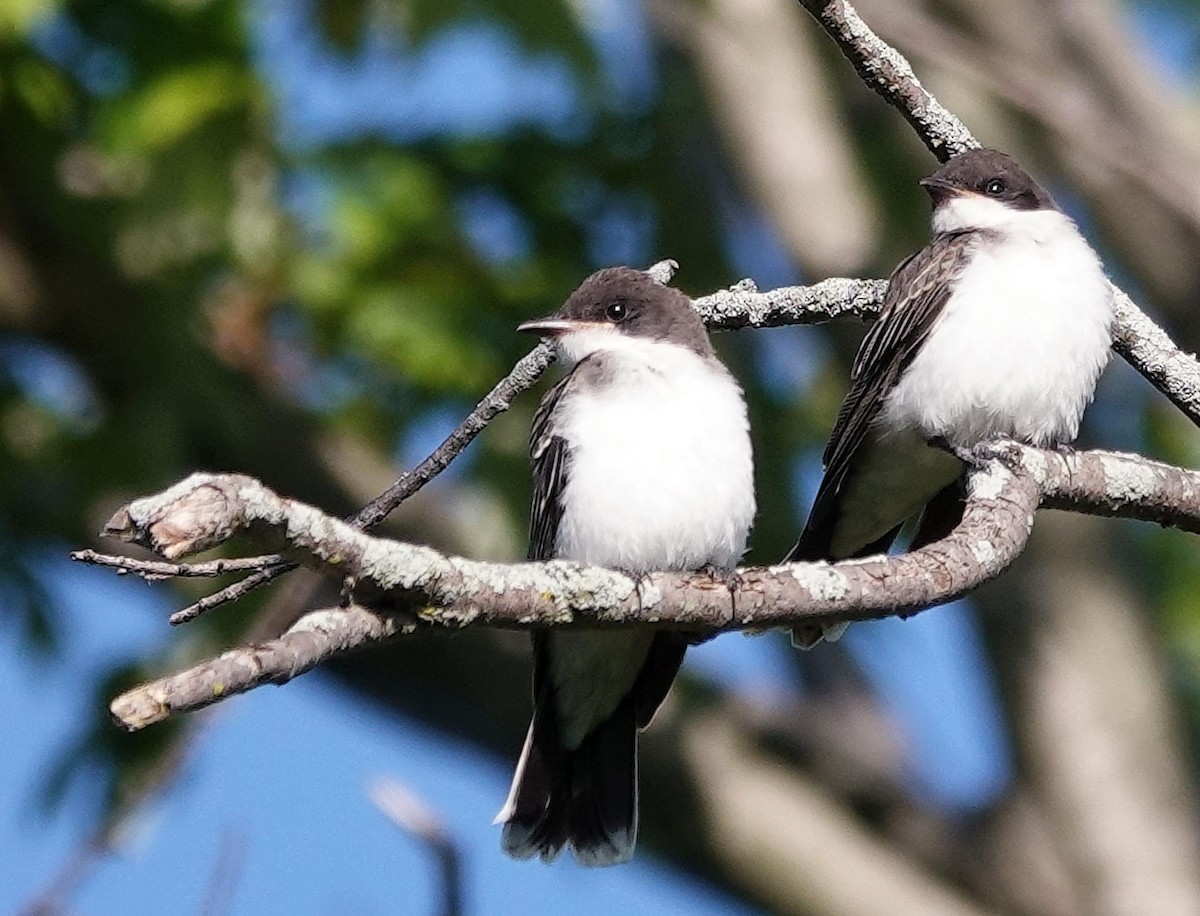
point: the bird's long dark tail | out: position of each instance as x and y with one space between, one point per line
584 798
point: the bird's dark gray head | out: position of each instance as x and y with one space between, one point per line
990 174
625 302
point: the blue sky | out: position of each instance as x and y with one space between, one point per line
281 774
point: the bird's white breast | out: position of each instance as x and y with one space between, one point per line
1020 344
660 473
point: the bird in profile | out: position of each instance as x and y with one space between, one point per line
1000 326
641 461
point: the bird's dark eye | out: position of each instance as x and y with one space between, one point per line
615 311
995 186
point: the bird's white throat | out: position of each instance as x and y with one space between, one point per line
968 212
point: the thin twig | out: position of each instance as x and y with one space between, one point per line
416 818
524 375
156 569
275 565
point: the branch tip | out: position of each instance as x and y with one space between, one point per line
664 271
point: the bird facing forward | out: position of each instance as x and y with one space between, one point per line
641 461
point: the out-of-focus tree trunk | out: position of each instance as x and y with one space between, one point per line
1099 737
759 62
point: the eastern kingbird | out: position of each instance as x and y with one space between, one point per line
641 461
1000 326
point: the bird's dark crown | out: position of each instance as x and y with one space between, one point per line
988 173
632 302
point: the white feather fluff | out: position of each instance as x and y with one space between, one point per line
1023 339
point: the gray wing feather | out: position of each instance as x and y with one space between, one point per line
917 293
550 456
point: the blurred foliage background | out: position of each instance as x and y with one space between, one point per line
294 239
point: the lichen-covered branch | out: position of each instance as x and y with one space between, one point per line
398 588
885 70
315 637
1150 350
743 306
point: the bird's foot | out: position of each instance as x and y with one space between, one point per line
1005 449
999 447
961 452
638 578
730 578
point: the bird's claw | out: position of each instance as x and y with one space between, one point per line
994 448
730 578
638 578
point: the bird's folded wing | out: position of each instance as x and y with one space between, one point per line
917 293
550 456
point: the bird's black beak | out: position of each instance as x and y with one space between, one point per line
939 189
553 326
550 326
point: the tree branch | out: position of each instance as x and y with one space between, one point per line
743 306
1150 350
422 587
399 588
523 376
152 570
885 70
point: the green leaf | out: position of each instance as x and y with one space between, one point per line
179 103
18 17
43 89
